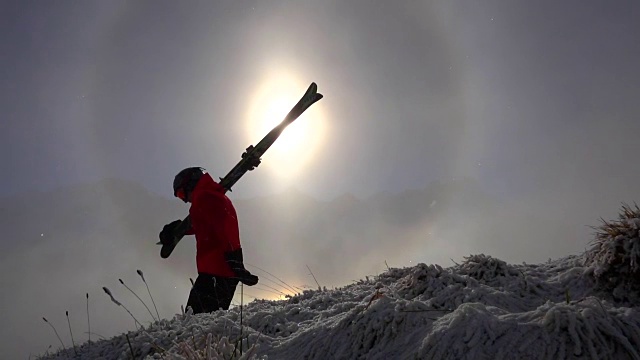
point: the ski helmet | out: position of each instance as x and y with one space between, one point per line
186 181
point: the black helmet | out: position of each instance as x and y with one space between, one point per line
186 180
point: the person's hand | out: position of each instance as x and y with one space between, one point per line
168 232
245 276
236 263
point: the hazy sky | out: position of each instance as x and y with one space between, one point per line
524 96
534 100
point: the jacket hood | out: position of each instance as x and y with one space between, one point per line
206 184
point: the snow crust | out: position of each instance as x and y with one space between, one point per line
482 308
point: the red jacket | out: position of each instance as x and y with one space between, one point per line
215 224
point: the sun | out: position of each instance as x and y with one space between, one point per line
300 140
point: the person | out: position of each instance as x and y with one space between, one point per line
214 223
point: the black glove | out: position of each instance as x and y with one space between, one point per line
252 161
245 276
167 235
234 259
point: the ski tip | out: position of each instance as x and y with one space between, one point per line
313 94
313 88
308 99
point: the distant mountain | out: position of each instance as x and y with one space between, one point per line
116 223
336 237
124 216
348 234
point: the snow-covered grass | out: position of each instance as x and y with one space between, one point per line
576 307
614 258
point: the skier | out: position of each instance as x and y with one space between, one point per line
219 254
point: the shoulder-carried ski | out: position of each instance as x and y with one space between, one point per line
250 158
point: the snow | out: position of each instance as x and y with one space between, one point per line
481 308
579 306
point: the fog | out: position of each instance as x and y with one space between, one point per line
447 129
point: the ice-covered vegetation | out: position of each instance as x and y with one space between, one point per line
577 307
614 259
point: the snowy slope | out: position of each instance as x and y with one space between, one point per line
482 308
582 307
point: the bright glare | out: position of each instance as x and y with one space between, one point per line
300 140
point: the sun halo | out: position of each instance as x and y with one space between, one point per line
300 140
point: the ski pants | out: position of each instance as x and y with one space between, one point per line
210 293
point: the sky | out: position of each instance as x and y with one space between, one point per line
533 101
526 97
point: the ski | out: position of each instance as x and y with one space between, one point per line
250 157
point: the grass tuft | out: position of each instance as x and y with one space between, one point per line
149 291
614 256
138 297
108 292
55 331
